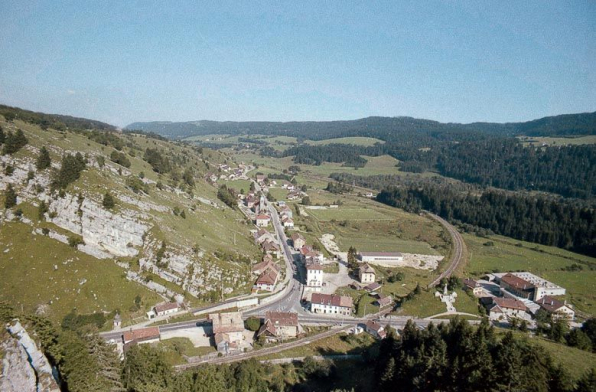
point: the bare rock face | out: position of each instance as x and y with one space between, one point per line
17 373
33 362
117 234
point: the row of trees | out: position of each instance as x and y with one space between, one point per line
528 218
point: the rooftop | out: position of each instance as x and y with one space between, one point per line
517 282
367 269
332 299
141 334
550 304
227 322
166 306
286 319
509 303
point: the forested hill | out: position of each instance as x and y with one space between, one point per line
380 127
55 121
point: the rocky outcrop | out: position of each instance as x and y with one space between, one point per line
38 364
117 234
17 373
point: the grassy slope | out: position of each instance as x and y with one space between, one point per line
28 277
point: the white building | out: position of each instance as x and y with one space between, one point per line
262 220
331 304
528 285
559 310
166 308
228 329
314 275
502 309
366 274
388 259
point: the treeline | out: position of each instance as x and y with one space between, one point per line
505 163
458 357
385 128
528 218
55 121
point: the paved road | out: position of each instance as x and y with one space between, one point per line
459 247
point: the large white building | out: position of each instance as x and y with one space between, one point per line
528 285
331 304
314 275
366 274
388 259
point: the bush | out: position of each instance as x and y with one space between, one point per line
14 142
10 197
43 160
75 241
108 201
120 158
253 323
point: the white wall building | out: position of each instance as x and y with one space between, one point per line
331 304
314 275
388 259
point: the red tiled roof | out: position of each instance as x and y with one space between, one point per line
314 267
509 303
263 217
268 277
517 282
141 334
227 322
297 236
285 319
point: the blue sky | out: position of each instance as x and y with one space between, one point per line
126 61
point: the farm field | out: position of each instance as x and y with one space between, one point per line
356 140
558 141
347 213
506 254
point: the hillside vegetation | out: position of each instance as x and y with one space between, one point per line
137 205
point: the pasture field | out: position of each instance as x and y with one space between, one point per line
356 140
345 213
238 185
558 141
507 254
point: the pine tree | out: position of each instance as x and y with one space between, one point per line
43 160
10 197
108 201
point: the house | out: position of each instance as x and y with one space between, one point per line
228 329
267 280
271 248
143 335
389 259
262 220
313 257
314 275
384 301
287 222
294 195
166 308
264 266
375 329
260 178
298 241
473 286
280 325
286 211
504 308
366 274
263 235
331 304
559 310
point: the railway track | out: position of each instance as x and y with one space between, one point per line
459 249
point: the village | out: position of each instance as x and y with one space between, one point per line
292 292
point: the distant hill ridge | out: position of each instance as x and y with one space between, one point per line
380 127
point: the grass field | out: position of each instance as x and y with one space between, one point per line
176 349
356 140
347 213
558 141
28 277
507 254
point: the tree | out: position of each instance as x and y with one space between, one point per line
108 201
352 259
306 201
253 323
41 210
14 142
70 171
578 338
146 369
589 328
2 136
588 382
43 160
188 177
10 197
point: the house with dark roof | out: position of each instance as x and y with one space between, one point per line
504 308
384 301
376 329
517 286
472 286
559 310
280 325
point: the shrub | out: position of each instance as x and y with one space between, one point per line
108 201
43 160
75 241
10 197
